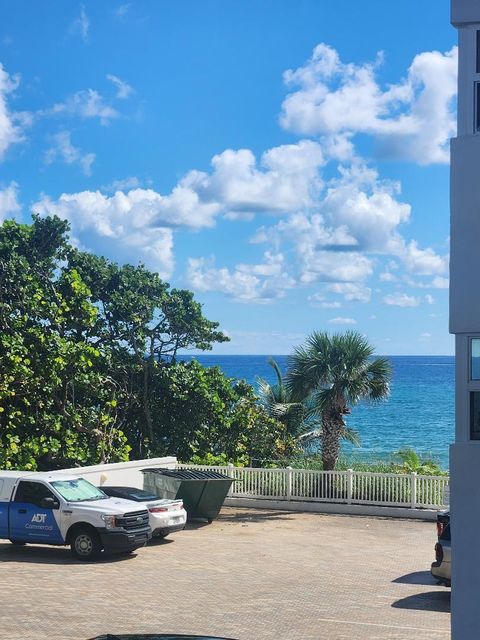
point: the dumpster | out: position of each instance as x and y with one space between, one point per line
203 492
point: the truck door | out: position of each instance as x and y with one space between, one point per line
35 514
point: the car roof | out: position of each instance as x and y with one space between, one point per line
45 476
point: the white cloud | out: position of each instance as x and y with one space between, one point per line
285 180
81 25
352 292
259 283
9 203
340 320
246 216
387 276
366 206
130 227
429 299
339 266
121 12
423 262
124 90
63 148
439 283
401 300
132 182
318 300
11 129
86 103
435 283
358 213
424 337
411 120
179 209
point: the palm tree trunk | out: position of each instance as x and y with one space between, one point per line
330 441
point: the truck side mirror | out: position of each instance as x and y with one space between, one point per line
50 503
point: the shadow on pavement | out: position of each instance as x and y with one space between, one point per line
53 555
196 524
250 516
417 577
159 542
431 601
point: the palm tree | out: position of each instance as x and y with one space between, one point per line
300 418
277 400
335 372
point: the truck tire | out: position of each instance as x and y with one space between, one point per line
18 543
85 544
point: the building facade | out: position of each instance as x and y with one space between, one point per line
465 324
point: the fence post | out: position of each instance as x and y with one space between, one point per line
289 482
230 474
413 490
349 486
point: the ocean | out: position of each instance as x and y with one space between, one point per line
419 412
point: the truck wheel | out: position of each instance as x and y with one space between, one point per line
85 544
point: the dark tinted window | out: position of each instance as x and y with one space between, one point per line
474 415
478 52
33 493
446 533
477 106
129 493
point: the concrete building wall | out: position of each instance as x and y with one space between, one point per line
465 324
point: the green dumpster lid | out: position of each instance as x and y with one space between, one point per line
188 474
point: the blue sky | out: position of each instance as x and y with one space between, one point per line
287 161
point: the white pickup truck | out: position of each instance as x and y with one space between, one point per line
57 509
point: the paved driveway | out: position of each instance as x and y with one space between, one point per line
251 575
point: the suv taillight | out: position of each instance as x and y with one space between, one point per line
158 509
440 528
438 552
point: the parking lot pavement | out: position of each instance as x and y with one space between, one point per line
251 575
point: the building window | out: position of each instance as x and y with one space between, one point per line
478 52
477 107
475 359
474 415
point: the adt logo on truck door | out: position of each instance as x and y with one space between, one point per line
39 517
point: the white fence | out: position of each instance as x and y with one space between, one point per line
343 487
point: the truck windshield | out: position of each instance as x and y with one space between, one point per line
78 490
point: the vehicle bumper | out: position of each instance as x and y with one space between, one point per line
441 571
163 530
115 541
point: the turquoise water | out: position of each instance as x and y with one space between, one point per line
419 412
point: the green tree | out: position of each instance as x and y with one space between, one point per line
143 323
81 342
198 411
57 400
300 417
335 372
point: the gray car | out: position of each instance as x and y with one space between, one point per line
442 567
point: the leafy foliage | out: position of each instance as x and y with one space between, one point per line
82 342
198 412
409 461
